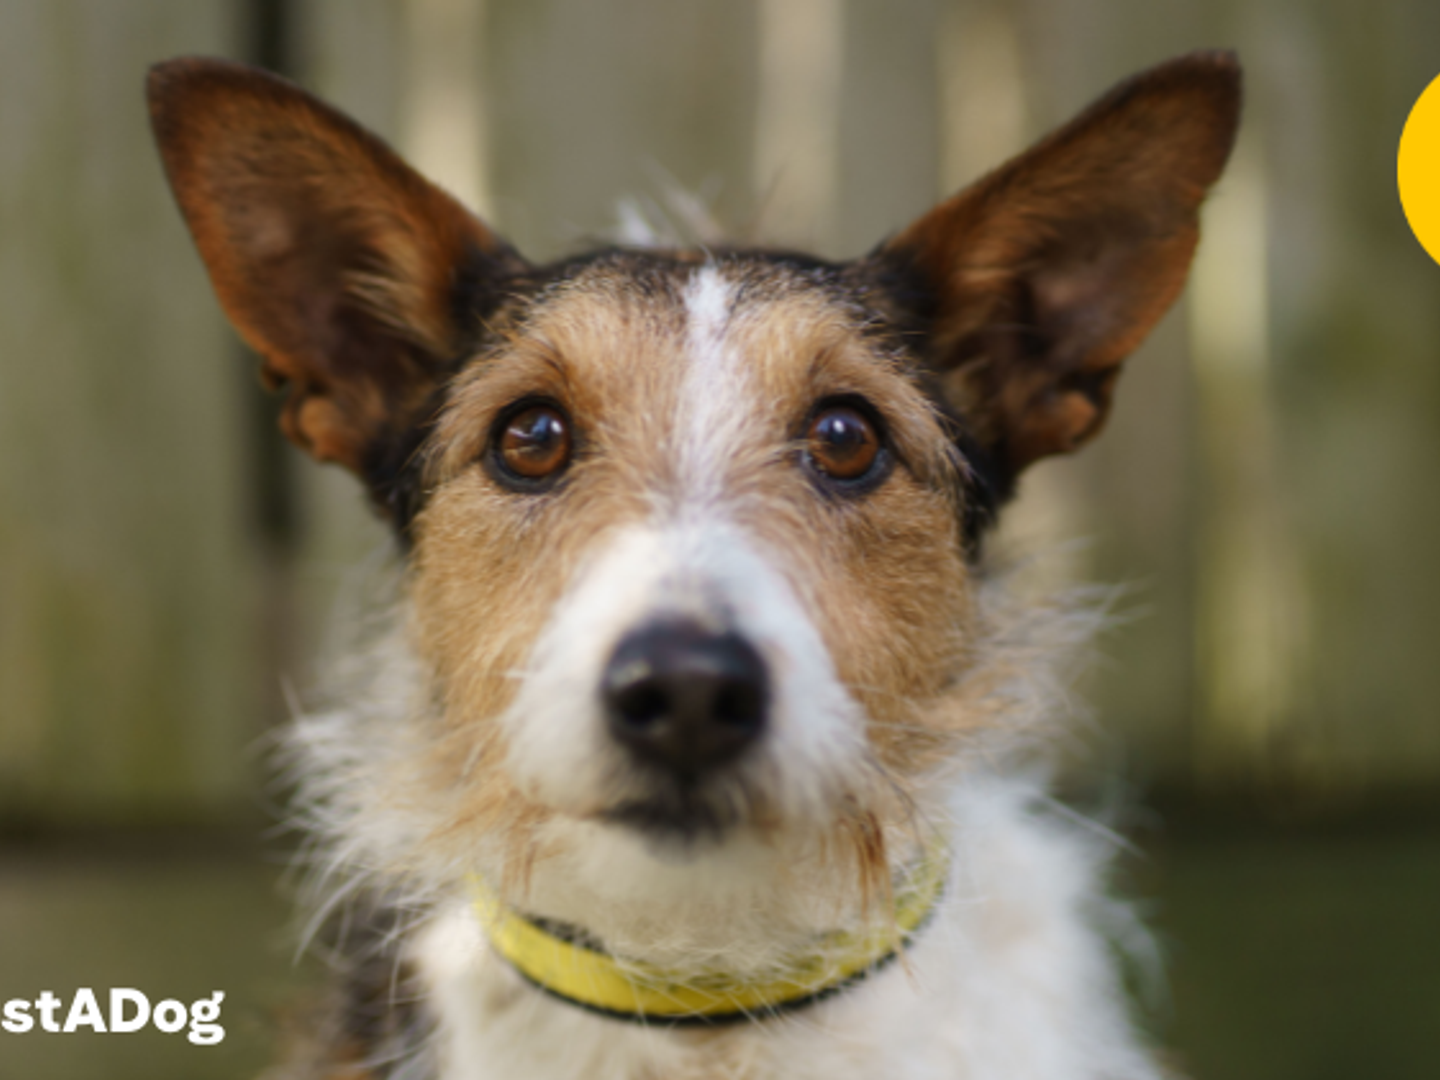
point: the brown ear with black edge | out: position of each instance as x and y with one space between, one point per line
1039 279
356 279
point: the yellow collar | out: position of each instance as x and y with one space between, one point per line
582 975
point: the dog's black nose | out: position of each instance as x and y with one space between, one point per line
685 698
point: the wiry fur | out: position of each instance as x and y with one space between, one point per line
900 698
1018 972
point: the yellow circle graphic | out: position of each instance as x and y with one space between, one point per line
1418 169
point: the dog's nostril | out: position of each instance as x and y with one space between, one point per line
685 698
738 705
641 704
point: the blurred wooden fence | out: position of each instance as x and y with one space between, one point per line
1267 483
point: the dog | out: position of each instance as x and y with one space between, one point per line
701 741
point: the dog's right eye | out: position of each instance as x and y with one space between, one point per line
532 445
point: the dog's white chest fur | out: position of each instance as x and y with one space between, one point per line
1010 981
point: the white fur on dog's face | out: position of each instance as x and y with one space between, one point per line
703 566
689 497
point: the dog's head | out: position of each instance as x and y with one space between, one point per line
691 535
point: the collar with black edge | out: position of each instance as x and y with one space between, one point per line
577 972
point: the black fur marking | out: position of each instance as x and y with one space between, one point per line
989 483
380 1006
988 487
374 1019
811 267
393 471
393 466
478 287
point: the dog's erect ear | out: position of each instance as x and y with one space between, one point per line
1039 279
351 274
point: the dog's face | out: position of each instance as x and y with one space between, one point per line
692 536
691 554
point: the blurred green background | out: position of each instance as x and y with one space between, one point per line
1267 488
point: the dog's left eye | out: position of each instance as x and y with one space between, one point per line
533 444
842 443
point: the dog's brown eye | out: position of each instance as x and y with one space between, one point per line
534 444
843 443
